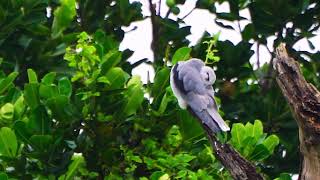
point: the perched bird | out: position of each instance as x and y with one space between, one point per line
191 82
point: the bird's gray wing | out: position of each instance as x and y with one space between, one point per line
191 80
205 109
198 105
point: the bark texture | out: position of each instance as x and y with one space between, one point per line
304 101
239 168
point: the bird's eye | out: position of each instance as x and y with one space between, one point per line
207 76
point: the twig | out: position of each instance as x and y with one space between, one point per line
239 26
188 13
265 82
238 22
258 55
159 8
167 14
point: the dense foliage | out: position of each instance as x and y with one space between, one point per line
70 107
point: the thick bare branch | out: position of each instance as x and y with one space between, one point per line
304 101
239 168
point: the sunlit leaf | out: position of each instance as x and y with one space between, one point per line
8 142
271 142
6 113
134 95
48 79
161 81
237 132
181 54
115 77
73 168
32 76
63 16
7 82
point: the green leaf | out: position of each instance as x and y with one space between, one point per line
48 79
31 95
181 54
7 112
182 174
248 146
170 3
257 130
8 142
22 131
32 76
48 91
19 107
103 79
164 102
226 16
237 132
39 121
248 32
184 157
271 142
157 175
77 162
3 176
187 121
110 60
284 176
41 142
65 87
260 152
59 106
134 96
136 159
165 177
249 130
116 78
7 82
174 137
63 16
161 81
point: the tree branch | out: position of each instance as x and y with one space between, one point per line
304 101
159 8
239 168
185 16
155 34
258 55
267 80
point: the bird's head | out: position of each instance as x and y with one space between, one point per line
208 76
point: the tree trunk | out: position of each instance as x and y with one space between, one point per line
304 101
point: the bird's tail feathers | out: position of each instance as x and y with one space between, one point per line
210 120
218 119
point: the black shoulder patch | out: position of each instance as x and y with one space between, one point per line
177 81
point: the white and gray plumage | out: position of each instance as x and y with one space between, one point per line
191 82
